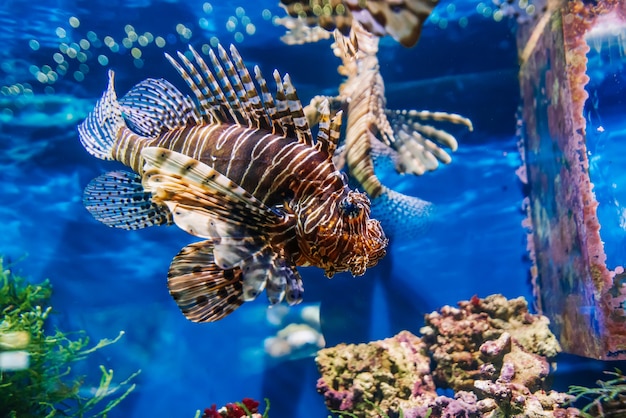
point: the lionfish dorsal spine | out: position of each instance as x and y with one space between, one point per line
252 98
240 92
268 100
297 113
226 93
335 128
325 142
283 115
211 99
232 100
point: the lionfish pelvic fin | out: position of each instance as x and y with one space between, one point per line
206 291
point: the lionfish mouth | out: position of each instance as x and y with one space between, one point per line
366 251
373 248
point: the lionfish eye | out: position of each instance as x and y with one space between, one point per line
349 208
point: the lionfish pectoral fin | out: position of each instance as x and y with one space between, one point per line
154 106
202 198
118 199
203 291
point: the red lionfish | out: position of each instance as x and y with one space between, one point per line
238 167
373 131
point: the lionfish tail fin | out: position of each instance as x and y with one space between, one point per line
99 130
402 216
118 199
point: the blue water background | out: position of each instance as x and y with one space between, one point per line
107 280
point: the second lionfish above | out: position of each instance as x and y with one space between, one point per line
237 167
375 134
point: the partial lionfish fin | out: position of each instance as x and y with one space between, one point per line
402 19
203 291
267 270
231 92
99 130
411 117
420 146
230 251
402 216
119 200
199 195
154 106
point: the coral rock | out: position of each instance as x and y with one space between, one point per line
385 373
491 352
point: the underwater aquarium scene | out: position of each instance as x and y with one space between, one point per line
313 208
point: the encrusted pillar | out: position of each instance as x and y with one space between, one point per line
582 297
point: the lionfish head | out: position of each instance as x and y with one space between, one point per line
344 238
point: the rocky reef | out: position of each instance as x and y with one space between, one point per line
492 352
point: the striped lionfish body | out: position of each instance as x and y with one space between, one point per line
237 167
375 133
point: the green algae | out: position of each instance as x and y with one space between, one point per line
44 386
